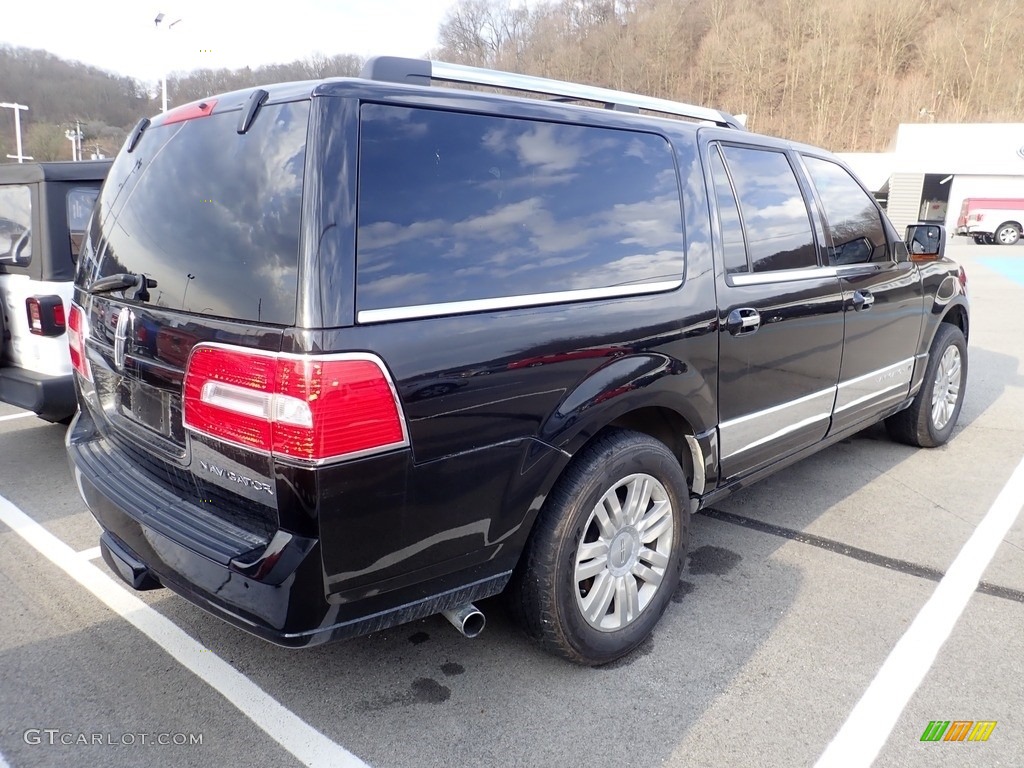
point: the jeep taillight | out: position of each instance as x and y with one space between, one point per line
313 408
77 332
45 315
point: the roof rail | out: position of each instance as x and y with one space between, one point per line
395 69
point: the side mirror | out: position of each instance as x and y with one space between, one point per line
926 242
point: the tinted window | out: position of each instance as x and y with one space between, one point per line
211 215
15 225
774 212
853 219
80 202
457 207
735 252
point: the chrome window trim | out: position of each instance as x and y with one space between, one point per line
752 436
785 276
365 316
904 367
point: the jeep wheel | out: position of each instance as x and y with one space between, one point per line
606 552
1008 234
930 419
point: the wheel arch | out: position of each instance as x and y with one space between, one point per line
957 315
650 393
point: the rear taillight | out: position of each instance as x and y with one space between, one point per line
45 315
77 333
313 408
962 277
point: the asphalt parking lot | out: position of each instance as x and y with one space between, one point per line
795 593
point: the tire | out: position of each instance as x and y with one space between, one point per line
926 423
627 596
1007 234
989 240
979 240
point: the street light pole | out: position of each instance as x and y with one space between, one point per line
17 128
163 86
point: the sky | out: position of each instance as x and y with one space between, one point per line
120 36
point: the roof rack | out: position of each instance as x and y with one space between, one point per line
395 69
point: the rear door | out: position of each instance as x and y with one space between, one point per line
882 297
210 218
780 310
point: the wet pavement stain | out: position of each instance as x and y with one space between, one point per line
717 561
451 668
429 691
418 638
682 590
424 690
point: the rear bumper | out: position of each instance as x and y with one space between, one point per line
973 229
52 397
273 589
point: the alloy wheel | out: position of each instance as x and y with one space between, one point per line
946 389
625 550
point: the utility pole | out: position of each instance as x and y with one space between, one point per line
75 137
160 17
17 128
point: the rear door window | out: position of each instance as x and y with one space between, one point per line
15 225
457 209
775 216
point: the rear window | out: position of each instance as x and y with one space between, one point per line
79 203
15 225
457 208
211 215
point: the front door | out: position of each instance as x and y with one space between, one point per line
882 298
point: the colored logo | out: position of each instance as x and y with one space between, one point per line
958 730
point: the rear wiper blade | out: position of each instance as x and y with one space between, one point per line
122 281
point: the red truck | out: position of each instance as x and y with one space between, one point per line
991 219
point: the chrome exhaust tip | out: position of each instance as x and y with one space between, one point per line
468 619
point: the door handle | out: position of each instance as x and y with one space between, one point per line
862 300
743 321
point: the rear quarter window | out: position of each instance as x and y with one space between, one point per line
460 208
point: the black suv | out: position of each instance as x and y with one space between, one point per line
358 351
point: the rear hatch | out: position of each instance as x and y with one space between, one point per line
207 220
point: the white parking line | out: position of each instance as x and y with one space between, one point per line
90 554
299 738
13 416
866 730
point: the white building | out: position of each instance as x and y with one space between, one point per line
934 166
